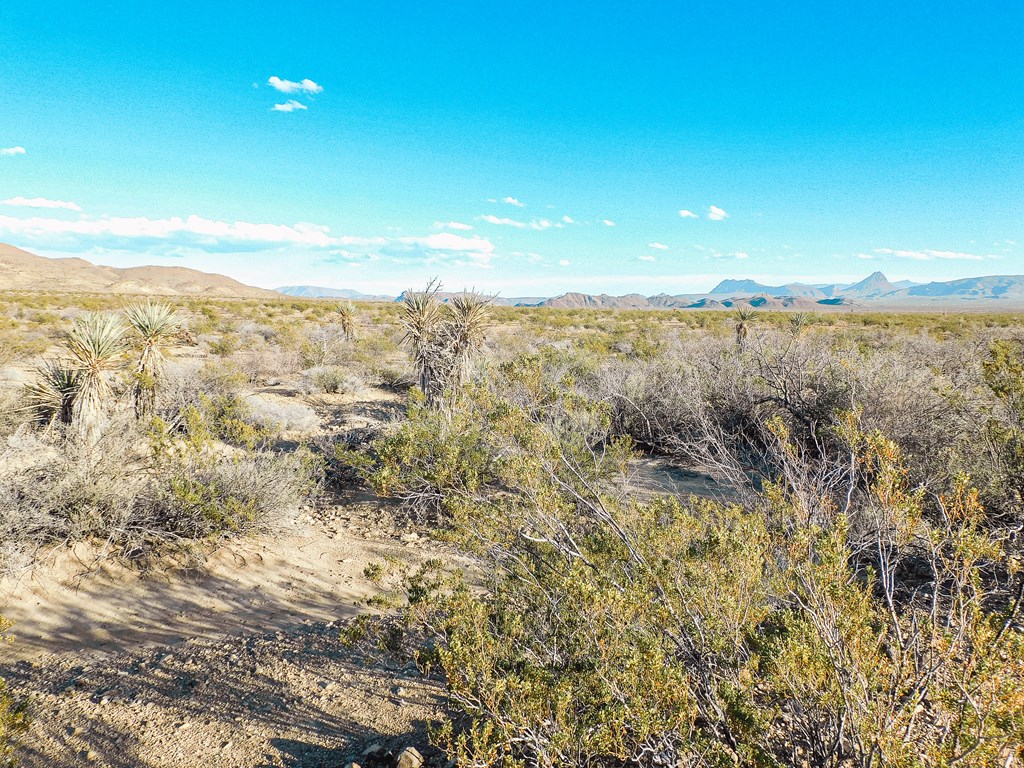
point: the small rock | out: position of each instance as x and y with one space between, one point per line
409 758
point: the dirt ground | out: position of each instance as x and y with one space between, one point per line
237 663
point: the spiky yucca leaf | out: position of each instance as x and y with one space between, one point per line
52 395
469 318
421 319
153 324
800 320
97 344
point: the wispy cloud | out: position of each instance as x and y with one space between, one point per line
291 86
568 220
929 255
716 214
12 151
688 214
503 222
452 225
289 106
538 224
658 246
210 236
40 202
716 254
608 222
563 262
647 257
513 201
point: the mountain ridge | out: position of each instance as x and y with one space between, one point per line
23 270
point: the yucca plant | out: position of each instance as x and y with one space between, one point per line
51 397
744 317
97 343
466 328
798 321
347 319
421 318
154 324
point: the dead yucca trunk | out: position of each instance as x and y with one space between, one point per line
154 326
744 317
347 320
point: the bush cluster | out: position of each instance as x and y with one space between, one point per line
857 604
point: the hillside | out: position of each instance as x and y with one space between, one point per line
24 271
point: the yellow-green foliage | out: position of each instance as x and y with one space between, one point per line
611 631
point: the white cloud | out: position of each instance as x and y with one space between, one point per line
563 262
491 219
40 202
290 86
289 106
658 246
716 214
210 236
513 201
688 214
647 257
741 255
12 151
568 220
608 222
452 225
929 255
538 224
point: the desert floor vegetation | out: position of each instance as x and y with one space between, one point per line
847 591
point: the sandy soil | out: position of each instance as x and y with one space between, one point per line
239 662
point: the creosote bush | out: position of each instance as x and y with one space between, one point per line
838 615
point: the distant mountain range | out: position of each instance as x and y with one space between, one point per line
875 291
21 270
319 292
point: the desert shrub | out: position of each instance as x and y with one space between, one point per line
273 415
393 377
238 494
139 491
610 632
266 363
57 487
331 380
223 346
326 345
440 455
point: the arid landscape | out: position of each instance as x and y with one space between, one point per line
262 530
511 385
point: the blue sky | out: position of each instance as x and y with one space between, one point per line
527 147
